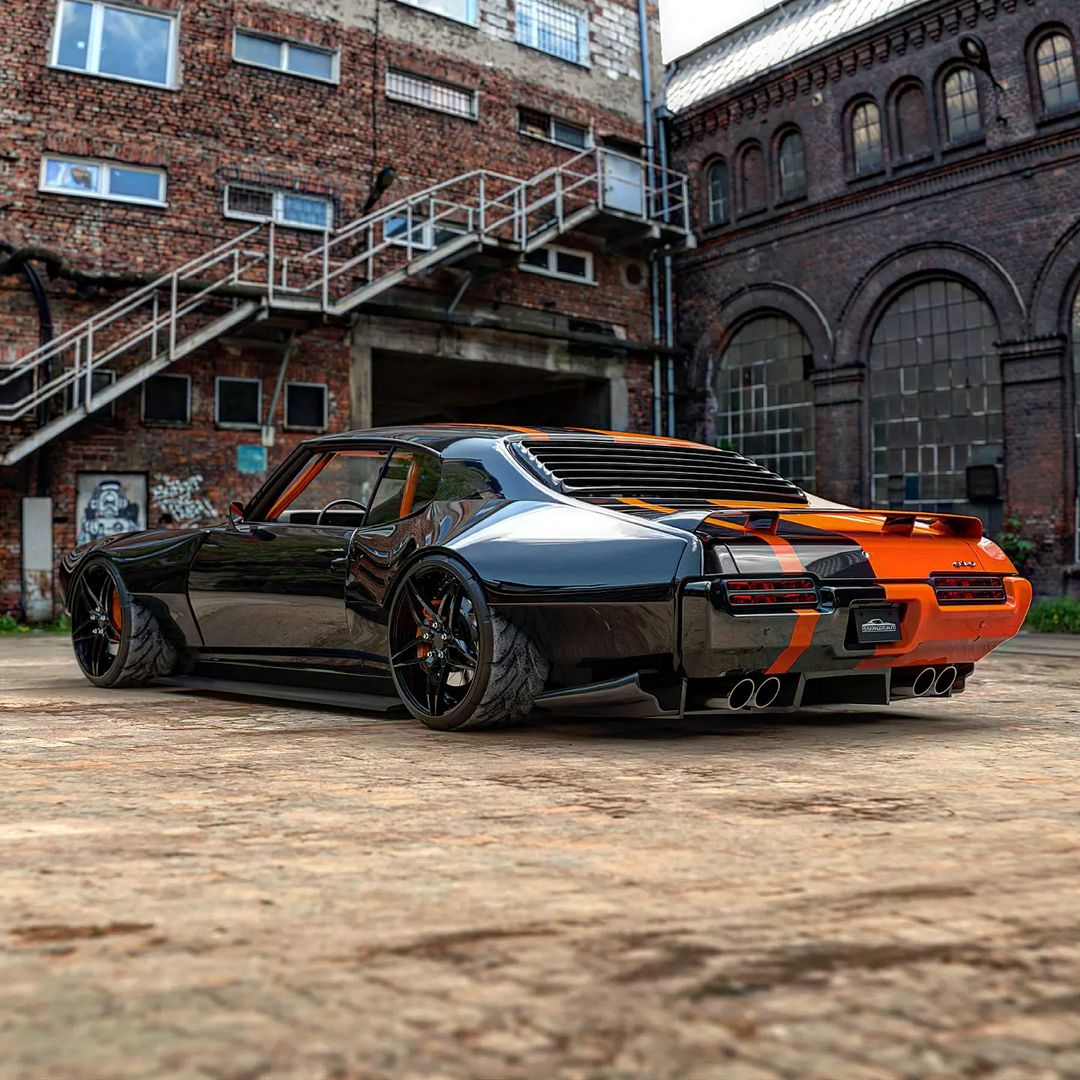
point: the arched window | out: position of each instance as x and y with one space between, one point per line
752 190
716 184
791 164
912 122
960 98
1056 67
867 138
935 396
765 403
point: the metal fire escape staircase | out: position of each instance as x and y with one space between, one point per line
480 217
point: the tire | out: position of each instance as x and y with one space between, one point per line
127 646
508 668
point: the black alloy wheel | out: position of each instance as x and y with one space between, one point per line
436 641
97 621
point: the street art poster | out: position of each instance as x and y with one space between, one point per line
109 503
180 500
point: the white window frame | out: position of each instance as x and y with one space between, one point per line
532 40
287 43
472 17
104 171
553 272
186 422
93 44
289 426
424 233
473 114
277 214
235 425
551 122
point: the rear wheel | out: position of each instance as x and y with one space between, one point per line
455 663
117 640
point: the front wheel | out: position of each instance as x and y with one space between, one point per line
455 663
117 639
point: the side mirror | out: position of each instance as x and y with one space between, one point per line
236 512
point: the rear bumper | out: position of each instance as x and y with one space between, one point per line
715 643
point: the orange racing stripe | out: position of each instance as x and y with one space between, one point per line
801 636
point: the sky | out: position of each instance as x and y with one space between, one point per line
687 23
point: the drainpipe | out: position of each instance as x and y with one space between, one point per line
45 335
669 292
650 157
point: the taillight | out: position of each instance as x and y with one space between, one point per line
968 589
747 594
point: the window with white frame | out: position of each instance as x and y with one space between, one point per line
103 180
118 41
426 233
166 399
554 27
567 263
278 54
306 406
237 402
431 94
541 125
251 202
461 10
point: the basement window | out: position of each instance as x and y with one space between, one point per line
306 406
460 10
431 94
118 42
237 402
558 262
251 203
554 27
103 180
540 125
278 54
166 399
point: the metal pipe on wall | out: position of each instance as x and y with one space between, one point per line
650 157
669 292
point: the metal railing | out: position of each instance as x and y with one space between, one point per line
182 309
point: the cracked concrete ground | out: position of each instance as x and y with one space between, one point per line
202 887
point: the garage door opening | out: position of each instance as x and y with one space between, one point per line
435 390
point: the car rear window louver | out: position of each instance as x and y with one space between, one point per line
677 477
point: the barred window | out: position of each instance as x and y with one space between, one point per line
253 203
935 396
963 117
867 138
554 27
719 193
765 404
792 162
1057 72
431 94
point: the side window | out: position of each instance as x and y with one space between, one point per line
347 474
408 485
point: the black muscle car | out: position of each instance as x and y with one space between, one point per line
475 574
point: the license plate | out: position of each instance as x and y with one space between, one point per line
877 624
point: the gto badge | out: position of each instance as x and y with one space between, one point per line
960 563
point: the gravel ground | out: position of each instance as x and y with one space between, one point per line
197 886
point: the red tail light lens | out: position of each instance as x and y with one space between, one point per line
749 594
968 589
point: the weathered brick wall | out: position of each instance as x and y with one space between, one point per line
992 214
231 121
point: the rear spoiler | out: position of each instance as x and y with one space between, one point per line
894 522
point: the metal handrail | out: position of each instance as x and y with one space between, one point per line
482 205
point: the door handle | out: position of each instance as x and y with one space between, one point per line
337 564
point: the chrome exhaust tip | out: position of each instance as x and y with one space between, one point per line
767 693
741 694
945 680
920 686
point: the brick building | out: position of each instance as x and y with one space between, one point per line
883 302
239 195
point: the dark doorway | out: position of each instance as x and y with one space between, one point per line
422 389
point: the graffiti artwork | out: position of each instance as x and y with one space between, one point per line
109 503
181 500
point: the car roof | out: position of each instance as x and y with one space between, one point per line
440 437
